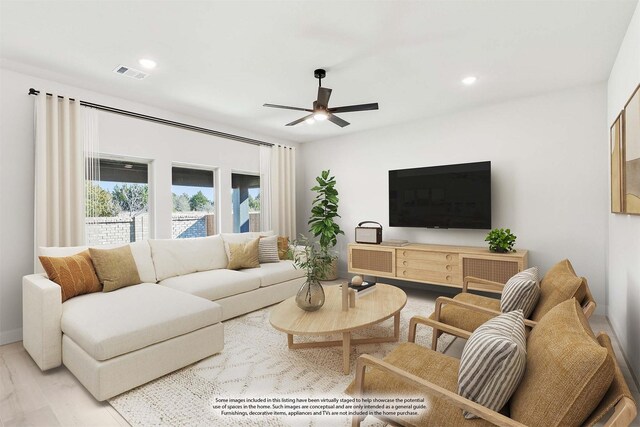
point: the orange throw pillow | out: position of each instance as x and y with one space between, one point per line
75 274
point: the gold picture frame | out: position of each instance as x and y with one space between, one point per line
617 166
630 177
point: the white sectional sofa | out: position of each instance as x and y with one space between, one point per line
115 341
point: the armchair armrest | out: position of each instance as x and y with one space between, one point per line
482 285
416 320
445 300
41 314
429 388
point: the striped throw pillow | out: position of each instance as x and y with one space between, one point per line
521 292
268 249
493 361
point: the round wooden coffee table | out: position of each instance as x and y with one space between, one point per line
386 301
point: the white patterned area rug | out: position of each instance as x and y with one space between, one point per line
257 363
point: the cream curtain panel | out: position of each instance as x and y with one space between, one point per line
265 188
283 190
59 172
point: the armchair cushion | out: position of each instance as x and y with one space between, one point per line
521 292
467 319
559 284
493 361
432 366
568 371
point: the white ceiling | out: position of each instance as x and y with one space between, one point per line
223 60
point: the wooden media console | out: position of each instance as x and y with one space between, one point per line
435 264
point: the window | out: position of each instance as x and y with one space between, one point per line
245 197
193 203
116 201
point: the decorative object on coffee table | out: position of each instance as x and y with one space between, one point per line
324 210
356 280
501 240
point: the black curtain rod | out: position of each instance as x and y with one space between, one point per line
225 135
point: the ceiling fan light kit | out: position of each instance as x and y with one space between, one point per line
321 110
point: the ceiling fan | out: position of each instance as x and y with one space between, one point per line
321 110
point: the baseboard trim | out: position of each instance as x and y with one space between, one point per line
7 337
624 355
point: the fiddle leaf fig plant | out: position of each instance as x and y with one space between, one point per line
501 240
324 209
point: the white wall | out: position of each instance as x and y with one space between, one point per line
623 285
118 135
549 179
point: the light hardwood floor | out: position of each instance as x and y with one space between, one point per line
29 397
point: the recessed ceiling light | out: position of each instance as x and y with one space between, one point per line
310 120
128 166
469 80
147 63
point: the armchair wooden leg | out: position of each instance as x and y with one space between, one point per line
436 332
434 339
359 391
412 330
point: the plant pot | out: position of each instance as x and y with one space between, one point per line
310 296
332 271
499 251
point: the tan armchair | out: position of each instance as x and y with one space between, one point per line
467 311
564 359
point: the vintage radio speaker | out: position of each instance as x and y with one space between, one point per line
371 235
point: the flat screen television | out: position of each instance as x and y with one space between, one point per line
451 196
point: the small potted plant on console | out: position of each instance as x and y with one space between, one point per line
501 240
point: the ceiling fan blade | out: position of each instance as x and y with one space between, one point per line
337 120
285 107
351 108
295 122
324 93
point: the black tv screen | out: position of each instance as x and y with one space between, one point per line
451 196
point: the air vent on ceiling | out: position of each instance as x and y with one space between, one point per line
130 72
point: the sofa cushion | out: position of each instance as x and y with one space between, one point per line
493 361
245 237
176 257
243 255
110 324
116 268
283 247
432 366
274 273
559 284
213 284
466 319
521 292
74 273
141 252
268 249
567 372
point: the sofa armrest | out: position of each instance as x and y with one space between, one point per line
41 314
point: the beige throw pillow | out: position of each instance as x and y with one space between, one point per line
244 255
116 268
75 274
268 249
